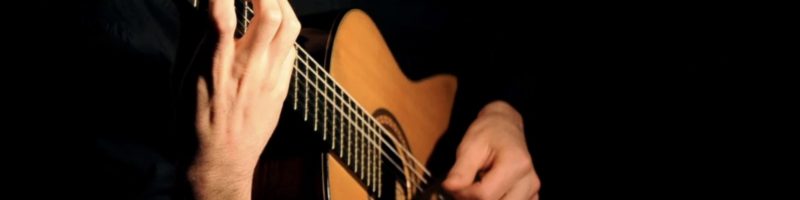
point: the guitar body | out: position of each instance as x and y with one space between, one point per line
362 63
416 113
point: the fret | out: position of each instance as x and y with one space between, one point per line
294 72
305 105
331 93
369 160
349 137
358 150
372 160
316 102
324 113
246 13
341 126
333 124
375 157
361 152
356 156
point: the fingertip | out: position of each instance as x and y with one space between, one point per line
454 182
224 16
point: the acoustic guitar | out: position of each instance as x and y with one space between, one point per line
353 126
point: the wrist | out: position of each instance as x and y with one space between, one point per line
212 180
206 166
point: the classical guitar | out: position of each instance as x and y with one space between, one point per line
353 125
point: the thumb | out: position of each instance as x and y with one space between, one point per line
470 159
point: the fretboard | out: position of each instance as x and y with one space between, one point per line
349 132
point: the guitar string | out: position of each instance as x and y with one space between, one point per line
341 110
364 132
360 109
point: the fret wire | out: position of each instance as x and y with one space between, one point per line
356 156
363 164
324 117
380 171
375 168
349 137
341 131
316 99
305 111
333 129
370 166
368 156
296 88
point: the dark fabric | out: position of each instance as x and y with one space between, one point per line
111 75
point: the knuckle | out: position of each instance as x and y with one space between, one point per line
483 194
537 184
226 26
271 18
462 150
524 163
294 26
224 21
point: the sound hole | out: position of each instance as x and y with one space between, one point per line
403 182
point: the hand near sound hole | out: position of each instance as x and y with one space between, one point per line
494 151
239 105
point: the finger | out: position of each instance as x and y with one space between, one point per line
266 21
282 76
203 108
507 168
287 32
224 16
282 46
473 153
471 157
525 188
